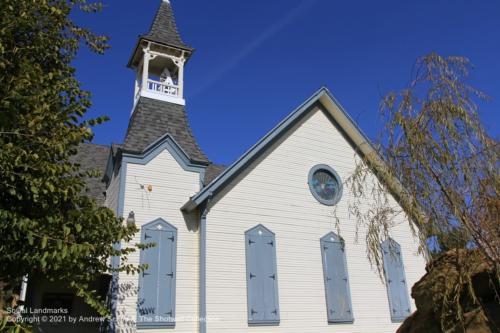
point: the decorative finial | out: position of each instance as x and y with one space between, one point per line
167 1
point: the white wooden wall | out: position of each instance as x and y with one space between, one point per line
275 192
171 188
112 192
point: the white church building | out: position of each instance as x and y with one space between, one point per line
251 247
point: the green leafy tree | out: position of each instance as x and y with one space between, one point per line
435 157
48 226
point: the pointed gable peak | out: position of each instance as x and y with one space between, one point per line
164 29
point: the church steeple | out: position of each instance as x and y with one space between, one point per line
159 58
159 111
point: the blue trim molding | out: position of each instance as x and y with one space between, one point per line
204 210
115 285
168 143
253 153
202 273
322 99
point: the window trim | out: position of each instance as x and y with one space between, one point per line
170 324
341 240
259 322
328 168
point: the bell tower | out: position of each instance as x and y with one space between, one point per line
159 109
159 59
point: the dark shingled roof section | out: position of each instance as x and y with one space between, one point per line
152 119
164 30
93 157
115 147
212 171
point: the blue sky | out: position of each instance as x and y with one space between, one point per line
255 61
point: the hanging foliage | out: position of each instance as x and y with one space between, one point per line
48 226
439 163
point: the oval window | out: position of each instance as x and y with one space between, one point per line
325 184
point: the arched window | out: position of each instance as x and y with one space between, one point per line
395 279
262 278
156 302
338 297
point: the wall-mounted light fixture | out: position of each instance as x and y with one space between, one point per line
131 219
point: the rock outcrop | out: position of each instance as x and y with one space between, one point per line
443 285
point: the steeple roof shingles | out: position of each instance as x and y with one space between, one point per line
152 119
164 29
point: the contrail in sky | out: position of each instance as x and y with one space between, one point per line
290 16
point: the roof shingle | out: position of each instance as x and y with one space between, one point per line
164 29
152 119
212 171
93 157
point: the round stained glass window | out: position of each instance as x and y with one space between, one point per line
325 184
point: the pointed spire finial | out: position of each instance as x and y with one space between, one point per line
164 29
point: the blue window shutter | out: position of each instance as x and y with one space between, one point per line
255 280
156 302
270 278
262 278
166 275
147 306
338 297
395 278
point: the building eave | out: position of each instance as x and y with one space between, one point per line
189 50
157 146
227 175
361 143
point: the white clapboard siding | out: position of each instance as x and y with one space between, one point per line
275 193
112 192
171 187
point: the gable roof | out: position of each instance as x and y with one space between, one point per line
93 157
321 97
152 119
164 29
